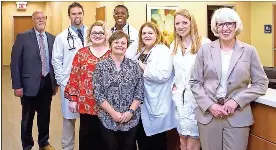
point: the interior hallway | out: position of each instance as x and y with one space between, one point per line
11 118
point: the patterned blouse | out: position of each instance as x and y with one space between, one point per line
79 87
119 88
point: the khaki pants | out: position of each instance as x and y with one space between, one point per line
68 134
220 135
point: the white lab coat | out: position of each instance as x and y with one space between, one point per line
62 59
184 109
157 111
133 34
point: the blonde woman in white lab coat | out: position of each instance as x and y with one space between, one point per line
184 49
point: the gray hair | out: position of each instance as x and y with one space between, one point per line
226 15
36 12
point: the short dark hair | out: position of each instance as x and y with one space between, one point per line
117 35
122 6
75 4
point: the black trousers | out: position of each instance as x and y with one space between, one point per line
90 137
154 142
119 140
42 105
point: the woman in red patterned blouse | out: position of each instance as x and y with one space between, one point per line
79 88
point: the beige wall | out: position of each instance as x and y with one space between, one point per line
89 13
199 10
9 10
261 14
56 22
109 7
253 14
53 11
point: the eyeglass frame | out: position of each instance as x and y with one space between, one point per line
97 34
40 18
227 24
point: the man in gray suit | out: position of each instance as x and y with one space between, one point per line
33 80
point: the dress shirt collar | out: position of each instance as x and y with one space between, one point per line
37 33
75 29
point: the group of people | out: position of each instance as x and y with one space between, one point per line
128 88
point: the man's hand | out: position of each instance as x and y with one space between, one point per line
217 110
126 116
55 91
18 92
116 116
230 106
73 106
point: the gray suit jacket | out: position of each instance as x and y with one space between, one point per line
26 63
245 68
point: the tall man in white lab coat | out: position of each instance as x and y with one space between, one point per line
120 16
66 45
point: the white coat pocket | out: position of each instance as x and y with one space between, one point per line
177 97
157 107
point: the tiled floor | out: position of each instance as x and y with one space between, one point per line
11 117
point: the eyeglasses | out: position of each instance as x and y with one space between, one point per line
40 18
97 33
227 24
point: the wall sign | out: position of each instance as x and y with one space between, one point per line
267 28
21 5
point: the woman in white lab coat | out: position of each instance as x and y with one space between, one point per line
157 111
184 49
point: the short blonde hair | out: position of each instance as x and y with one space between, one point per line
101 24
222 15
157 31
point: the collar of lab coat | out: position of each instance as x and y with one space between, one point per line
157 48
74 34
125 28
179 51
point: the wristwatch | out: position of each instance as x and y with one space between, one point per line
131 111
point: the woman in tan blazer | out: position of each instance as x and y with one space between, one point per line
220 82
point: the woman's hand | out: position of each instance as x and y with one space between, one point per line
217 110
116 116
142 65
73 106
126 116
230 106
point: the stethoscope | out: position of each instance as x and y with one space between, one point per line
147 57
113 30
70 36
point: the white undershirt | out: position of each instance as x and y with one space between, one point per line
225 61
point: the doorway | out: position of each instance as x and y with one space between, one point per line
210 11
274 33
21 24
100 13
